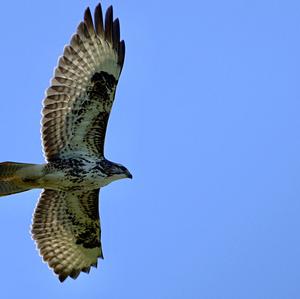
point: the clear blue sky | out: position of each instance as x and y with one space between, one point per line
207 118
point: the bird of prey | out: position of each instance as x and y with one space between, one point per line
75 113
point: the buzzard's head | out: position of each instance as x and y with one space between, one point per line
115 171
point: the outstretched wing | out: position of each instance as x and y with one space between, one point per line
67 231
79 100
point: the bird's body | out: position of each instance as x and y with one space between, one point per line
71 174
76 110
75 174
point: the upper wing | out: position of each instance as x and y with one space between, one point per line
67 231
79 100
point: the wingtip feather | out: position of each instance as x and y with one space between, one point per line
88 20
98 18
62 277
82 30
116 34
121 53
109 24
74 274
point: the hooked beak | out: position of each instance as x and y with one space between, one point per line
129 175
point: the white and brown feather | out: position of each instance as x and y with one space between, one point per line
67 231
79 100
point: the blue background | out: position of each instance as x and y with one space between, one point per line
207 120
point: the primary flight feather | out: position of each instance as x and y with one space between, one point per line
75 112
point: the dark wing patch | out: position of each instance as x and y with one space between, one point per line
79 100
67 231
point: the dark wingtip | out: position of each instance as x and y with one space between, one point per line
109 24
86 270
121 53
88 20
110 30
95 264
74 274
116 34
98 17
62 277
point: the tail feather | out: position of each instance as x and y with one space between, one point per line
10 182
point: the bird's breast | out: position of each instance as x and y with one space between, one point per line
73 174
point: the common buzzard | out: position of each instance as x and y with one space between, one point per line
75 112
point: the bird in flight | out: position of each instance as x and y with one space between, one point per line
75 113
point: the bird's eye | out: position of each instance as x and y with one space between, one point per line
121 167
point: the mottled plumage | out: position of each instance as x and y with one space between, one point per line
74 120
67 231
76 110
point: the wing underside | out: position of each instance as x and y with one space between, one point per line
79 100
67 231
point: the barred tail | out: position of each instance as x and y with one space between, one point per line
10 180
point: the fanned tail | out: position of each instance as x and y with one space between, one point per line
10 180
